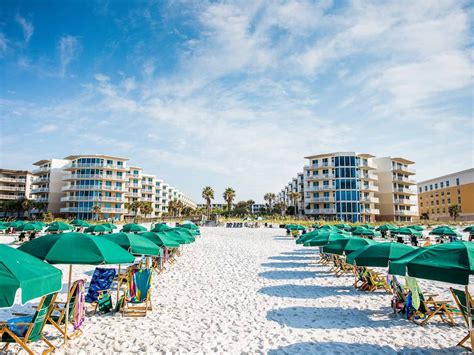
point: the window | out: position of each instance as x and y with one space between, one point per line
457 181
420 190
447 183
426 188
421 204
459 199
436 186
441 184
449 201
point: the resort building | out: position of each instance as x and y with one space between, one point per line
257 208
396 195
158 198
134 188
14 185
48 183
95 187
435 196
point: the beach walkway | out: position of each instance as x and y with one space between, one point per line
254 291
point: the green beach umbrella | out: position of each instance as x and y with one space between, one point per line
59 227
407 231
346 245
161 227
97 228
110 225
295 227
448 262
16 224
21 270
174 235
417 228
29 227
3 227
189 225
134 243
182 234
76 248
362 231
323 239
160 239
378 255
132 227
79 223
343 226
469 229
303 237
444 230
190 232
386 227
368 226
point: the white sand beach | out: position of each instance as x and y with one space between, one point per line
238 291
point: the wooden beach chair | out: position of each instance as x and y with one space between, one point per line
136 300
344 268
399 295
428 306
462 297
28 328
376 281
360 281
99 291
57 317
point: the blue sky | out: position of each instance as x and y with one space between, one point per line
236 93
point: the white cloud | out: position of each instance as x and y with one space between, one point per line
3 44
101 77
68 49
48 128
26 26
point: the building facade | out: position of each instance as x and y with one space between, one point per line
14 185
397 195
435 196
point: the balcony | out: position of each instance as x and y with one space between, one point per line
94 187
14 180
403 169
95 176
368 177
370 211
93 198
405 213
41 169
369 188
134 194
320 188
404 180
40 180
10 197
370 199
11 188
40 190
95 165
89 210
404 201
366 165
319 199
405 190
319 176
147 199
41 199
320 211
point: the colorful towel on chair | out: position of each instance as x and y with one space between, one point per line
19 325
102 279
139 285
79 308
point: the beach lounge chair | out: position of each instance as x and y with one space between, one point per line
344 268
462 297
28 328
376 281
98 293
399 295
360 281
137 298
76 312
423 307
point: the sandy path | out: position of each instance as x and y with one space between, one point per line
254 291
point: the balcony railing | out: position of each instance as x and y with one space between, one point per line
134 194
93 198
15 180
320 188
94 187
369 188
40 180
368 177
41 169
404 201
11 188
404 180
405 190
319 199
95 176
320 176
40 190
366 165
95 165
370 211
398 167
41 199
405 212
10 197
370 199
89 210
320 211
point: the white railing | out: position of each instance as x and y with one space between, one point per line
147 199
9 197
11 188
89 210
368 177
369 188
319 199
95 176
370 199
41 169
370 211
399 167
134 194
17 180
94 165
366 165
93 187
40 180
404 201
93 198
320 211
40 190
405 212
405 190
403 179
41 199
320 188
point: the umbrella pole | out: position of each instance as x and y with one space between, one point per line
469 317
66 320
119 283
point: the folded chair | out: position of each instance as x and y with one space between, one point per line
137 298
99 291
462 297
76 312
424 307
28 328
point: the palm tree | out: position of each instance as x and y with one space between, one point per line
281 206
454 211
208 195
179 207
26 205
250 203
294 196
229 195
133 207
96 209
146 208
270 197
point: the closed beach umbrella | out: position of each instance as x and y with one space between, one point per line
407 231
132 227
189 225
346 245
21 270
134 243
59 227
29 227
386 227
97 228
80 223
323 239
448 262
175 232
444 230
186 231
378 255
160 239
76 248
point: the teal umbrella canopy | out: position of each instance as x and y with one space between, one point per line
295 227
76 248
190 232
176 236
378 255
29 227
407 231
448 262
19 270
134 243
417 228
189 225
302 238
347 245
79 223
132 227
444 230
368 226
386 227
469 229
161 239
362 231
323 239
59 227
16 224
97 228
161 227
343 226
110 225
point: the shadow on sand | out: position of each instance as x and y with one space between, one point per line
308 291
356 348
288 275
282 238
294 257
